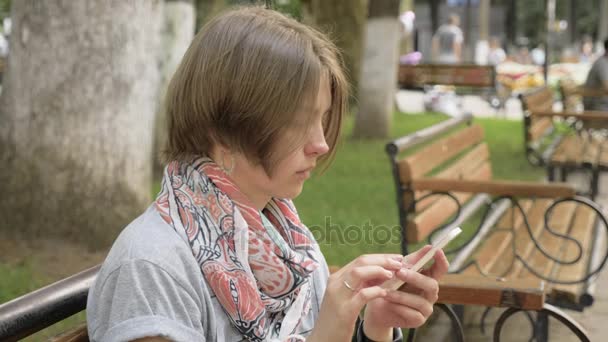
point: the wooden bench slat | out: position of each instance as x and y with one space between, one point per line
539 99
560 223
491 252
538 128
506 188
523 243
429 157
78 334
528 294
442 209
581 230
464 168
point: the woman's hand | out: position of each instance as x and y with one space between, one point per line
409 307
347 292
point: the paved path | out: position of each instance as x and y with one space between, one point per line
413 102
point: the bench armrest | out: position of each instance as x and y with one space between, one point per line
588 115
526 294
498 188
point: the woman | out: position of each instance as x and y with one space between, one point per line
221 255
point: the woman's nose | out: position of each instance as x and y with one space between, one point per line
317 145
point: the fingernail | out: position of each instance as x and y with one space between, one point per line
389 274
404 272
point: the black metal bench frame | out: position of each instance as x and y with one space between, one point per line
494 209
542 158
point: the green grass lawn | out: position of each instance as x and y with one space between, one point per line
355 195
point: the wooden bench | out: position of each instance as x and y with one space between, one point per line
528 231
563 140
459 75
480 78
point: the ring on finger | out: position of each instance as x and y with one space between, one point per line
348 286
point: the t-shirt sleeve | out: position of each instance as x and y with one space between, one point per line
141 299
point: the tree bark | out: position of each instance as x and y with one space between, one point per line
484 20
511 23
379 71
177 33
77 113
602 30
344 21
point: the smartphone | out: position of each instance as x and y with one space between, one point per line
442 240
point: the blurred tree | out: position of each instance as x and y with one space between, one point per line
344 21
379 71
77 112
602 27
177 33
206 9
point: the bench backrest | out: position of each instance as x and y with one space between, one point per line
539 100
454 149
464 75
571 99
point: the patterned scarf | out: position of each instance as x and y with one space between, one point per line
260 278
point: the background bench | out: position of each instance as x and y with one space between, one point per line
563 140
528 231
460 75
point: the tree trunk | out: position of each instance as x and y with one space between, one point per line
484 20
177 33
511 23
434 10
344 21
77 113
602 30
379 71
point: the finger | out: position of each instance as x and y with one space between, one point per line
440 266
428 285
412 258
366 295
366 276
413 301
389 261
407 317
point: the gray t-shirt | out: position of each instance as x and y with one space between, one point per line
598 75
151 285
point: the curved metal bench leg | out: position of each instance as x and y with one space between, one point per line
411 335
482 323
550 310
456 324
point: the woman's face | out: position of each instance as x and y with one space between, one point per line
302 153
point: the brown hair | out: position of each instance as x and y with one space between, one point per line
242 82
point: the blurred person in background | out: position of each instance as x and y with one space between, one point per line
447 42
